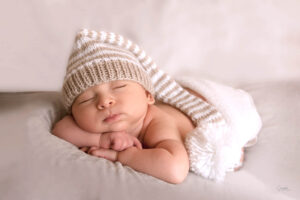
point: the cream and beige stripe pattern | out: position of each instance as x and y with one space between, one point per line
92 46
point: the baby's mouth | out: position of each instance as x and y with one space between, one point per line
112 118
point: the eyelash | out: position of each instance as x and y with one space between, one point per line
86 100
117 87
121 86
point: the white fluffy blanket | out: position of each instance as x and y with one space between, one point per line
211 155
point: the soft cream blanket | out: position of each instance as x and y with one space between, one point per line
213 155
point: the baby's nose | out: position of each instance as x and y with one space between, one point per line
106 103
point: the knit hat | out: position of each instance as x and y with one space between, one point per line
94 61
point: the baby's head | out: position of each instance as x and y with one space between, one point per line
104 75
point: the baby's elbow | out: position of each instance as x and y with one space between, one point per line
176 179
59 128
55 130
177 174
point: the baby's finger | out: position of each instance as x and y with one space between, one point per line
137 143
117 145
84 149
105 153
92 149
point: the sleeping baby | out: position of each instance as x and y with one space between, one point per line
122 108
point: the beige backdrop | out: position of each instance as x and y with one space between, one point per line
228 41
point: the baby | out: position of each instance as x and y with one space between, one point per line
109 117
113 113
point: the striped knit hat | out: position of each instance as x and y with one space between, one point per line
99 56
94 61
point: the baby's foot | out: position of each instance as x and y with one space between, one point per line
238 166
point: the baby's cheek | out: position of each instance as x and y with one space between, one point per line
86 123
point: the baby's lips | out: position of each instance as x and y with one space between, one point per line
112 118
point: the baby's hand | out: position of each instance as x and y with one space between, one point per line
118 141
108 154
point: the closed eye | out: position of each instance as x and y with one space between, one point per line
86 100
120 86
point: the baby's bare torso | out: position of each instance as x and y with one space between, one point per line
184 123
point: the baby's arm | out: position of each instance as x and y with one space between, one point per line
68 130
167 161
118 141
165 158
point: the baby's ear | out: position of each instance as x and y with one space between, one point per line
151 99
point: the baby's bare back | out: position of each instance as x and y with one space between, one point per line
184 123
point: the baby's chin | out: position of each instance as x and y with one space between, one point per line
117 127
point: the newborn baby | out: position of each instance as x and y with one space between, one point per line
109 118
121 110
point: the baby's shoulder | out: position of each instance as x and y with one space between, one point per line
162 126
160 118
158 113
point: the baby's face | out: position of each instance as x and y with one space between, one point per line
112 106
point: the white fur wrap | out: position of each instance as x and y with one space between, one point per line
213 151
